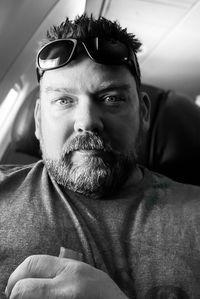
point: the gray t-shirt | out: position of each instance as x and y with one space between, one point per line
147 237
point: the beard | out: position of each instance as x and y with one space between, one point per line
100 172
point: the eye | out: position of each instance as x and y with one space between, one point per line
113 100
64 102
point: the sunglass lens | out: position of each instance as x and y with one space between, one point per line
55 54
109 51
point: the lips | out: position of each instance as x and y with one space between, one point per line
91 152
80 155
89 142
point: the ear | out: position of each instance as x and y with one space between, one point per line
145 108
37 116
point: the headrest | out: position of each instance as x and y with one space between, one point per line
175 141
23 133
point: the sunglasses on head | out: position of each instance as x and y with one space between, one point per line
60 52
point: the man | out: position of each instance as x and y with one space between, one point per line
87 221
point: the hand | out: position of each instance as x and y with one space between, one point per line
49 277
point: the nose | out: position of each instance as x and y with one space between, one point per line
88 117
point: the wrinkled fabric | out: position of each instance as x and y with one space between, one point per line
147 238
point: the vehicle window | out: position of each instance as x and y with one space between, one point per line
8 105
197 100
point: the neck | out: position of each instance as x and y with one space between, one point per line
135 178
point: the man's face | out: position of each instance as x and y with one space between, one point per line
88 121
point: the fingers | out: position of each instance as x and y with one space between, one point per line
37 266
48 277
32 288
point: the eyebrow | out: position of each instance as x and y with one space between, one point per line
59 89
113 86
102 88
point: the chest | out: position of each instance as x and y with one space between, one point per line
143 257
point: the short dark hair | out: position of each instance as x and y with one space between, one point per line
84 27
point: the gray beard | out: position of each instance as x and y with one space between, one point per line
94 176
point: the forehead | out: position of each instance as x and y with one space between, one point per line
85 74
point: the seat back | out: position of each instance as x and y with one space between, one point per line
24 147
174 139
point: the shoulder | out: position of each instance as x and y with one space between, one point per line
171 209
166 192
171 186
172 203
18 173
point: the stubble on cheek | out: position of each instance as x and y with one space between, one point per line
89 166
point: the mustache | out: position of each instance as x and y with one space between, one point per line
87 141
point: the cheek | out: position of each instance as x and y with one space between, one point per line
124 131
54 133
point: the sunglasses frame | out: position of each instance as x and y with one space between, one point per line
130 60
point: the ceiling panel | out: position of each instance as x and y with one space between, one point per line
149 20
145 11
6 11
19 43
175 62
182 3
169 31
26 17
